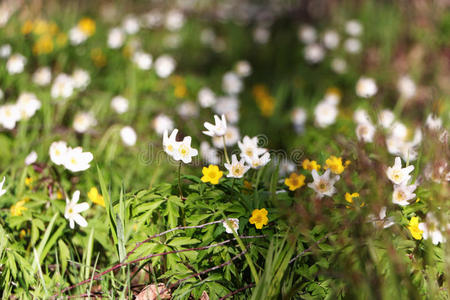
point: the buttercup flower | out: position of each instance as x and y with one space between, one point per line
310 165
234 225
18 208
323 184
397 174
211 174
236 169
413 227
95 196
335 164
73 210
349 197
218 129
295 181
259 218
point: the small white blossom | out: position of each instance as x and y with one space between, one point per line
31 158
403 193
2 190
366 87
218 129
119 104
323 184
76 160
42 76
206 97
164 66
397 174
73 210
128 136
234 225
16 64
162 123
237 168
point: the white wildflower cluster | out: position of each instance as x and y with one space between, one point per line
330 41
179 150
326 110
73 159
26 106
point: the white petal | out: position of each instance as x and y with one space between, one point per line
80 220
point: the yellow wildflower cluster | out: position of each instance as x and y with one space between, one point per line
180 90
265 101
47 35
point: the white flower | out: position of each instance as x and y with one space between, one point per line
162 123
403 193
28 104
130 24
119 104
431 230
31 158
218 129
352 45
142 60
397 174
174 20
152 19
5 50
365 132
257 162
399 131
386 118
206 97
231 83
243 68
261 35
381 220
77 36
228 106
116 38
307 34
366 87
323 184
58 152
339 65
406 87
331 39
128 136
184 151
42 76
9 115
170 144
209 153
83 121
433 123
361 116
286 167
76 160
314 53
164 66
325 114
249 148
73 210
299 117
353 28
16 64
187 110
234 224
236 169
62 87
81 79
2 191
232 136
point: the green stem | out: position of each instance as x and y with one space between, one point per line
247 256
179 180
225 150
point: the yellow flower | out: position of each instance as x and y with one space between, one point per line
59 195
259 218
335 164
180 91
310 165
18 208
211 174
414 228
28 182
95 197
27 27
349 197
22 234
43 45
98 57
61 39
87 25
41 27
295 181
